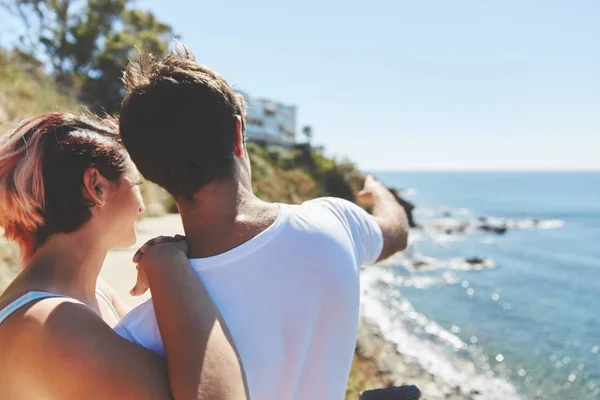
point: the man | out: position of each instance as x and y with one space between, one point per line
284 277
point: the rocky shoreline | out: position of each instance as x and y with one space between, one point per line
378 360
379 364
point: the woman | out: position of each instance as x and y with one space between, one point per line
68 194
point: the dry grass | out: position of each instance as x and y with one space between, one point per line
9 260
25 94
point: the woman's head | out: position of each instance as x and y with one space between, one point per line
61 171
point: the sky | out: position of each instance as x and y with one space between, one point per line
419 84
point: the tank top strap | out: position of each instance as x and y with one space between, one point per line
24 300
104 297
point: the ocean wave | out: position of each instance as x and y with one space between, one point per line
435 236
487 240
415 236
426 212
551 224
416 281
436 349
443 238
471 264
408 192
412 261
463 220
463 211
452 225
529 223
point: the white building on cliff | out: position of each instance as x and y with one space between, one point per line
270 122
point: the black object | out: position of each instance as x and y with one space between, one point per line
392 393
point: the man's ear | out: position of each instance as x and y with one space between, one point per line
238 148
95 186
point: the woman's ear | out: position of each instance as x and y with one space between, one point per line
95 186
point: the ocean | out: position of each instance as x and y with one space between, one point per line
521 320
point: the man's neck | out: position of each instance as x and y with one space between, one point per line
223 216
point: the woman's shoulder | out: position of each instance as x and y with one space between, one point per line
34 312
41 333
17 306
24 333
60 343
43 322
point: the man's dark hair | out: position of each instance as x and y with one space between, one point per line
178 122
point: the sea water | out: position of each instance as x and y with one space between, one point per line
525 323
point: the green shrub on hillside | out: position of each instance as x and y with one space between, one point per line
300 174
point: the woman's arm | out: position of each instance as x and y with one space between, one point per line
201 357
72 354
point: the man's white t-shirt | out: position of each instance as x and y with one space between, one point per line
290 298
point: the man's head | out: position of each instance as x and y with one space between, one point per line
181 123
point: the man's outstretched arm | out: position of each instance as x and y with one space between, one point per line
388 213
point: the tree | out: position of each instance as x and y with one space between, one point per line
86 43
308 132
140 31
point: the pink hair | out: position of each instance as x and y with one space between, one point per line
21 180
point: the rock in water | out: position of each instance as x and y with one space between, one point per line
500 230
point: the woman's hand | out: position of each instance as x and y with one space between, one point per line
156 252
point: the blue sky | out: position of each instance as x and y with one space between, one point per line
421 84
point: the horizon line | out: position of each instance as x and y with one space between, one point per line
486 170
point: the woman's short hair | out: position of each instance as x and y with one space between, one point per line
42 164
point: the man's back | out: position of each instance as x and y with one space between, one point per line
290 299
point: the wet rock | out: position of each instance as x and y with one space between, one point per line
420 263
475 260
500 230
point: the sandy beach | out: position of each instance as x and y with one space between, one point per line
119 271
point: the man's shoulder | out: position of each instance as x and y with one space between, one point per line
329 202
324 209
330 205
329 216
343 210
356 224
